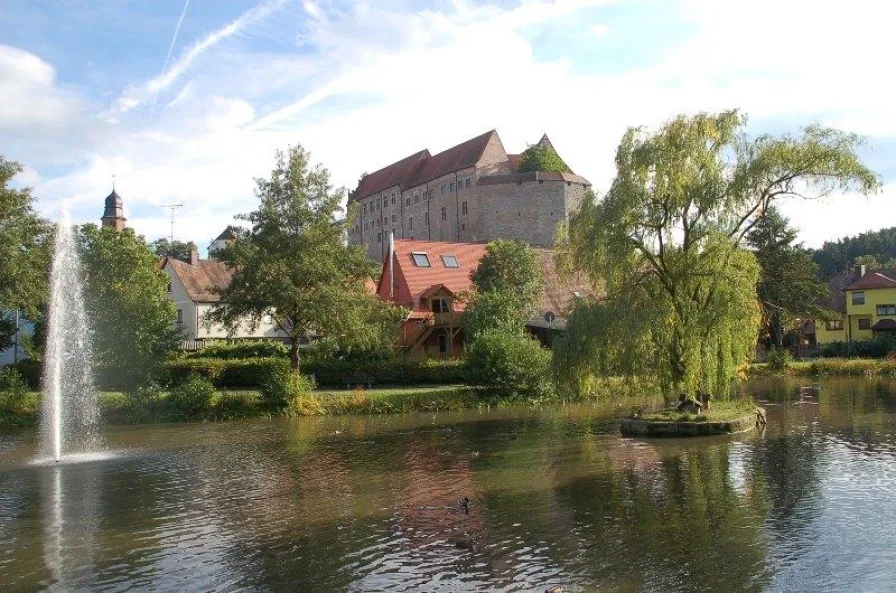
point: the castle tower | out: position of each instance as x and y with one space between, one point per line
223 240
113 215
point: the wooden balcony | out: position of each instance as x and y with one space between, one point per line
450 319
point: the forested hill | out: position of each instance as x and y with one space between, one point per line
877 249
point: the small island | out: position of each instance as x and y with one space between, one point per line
696 417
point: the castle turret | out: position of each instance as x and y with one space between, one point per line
222 241
113 215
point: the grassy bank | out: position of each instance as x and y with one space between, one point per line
118 408
721 411
830 366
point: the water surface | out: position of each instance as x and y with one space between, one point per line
558 498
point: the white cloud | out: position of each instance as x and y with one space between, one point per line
367 86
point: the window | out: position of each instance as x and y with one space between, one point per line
417 198
467 182
365 207
452 186
441 306
858 298
463 226
443 343
365 226
379 237
180 316
410 223
463 208
393 218
444 214
865 323
886 309
421 260
407 201
426 219
169 286
450 261
393 199
834 325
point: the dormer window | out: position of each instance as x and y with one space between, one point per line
421 260
169 286
450 261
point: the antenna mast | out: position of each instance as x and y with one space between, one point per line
172 207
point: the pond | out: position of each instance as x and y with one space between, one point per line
557 497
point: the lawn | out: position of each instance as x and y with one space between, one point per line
721 411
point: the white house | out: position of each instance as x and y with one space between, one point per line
191 285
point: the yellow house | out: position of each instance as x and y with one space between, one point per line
869 309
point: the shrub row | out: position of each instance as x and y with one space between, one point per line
30 371
875 348
333 372
850 366
246 373
239 349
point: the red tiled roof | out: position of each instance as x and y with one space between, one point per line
412 281
462 156
874 279
199 279
395 174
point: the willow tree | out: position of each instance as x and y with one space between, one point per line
665 245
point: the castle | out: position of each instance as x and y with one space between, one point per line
473 192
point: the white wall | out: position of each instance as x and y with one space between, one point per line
184 303
26 328
267 328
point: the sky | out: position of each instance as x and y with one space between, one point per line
186 102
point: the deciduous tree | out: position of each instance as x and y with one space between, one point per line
131 316
666 244
293 262
25 240
174 249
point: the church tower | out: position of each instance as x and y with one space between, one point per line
113 215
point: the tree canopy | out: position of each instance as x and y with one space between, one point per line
875 249
174 249
543 158
666 245
131 316
789 286
507 286
25 245
293 262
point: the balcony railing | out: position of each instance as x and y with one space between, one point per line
450 319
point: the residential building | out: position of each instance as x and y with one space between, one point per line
865 305
433 279
473 192
193 286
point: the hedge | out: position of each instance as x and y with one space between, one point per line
239 349
333 372
246 373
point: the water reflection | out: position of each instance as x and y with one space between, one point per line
558 498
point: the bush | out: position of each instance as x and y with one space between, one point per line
142 403
288 389
239 349
246 373
509 364
13 390
194 397
878 347
333 372
31 371
778 359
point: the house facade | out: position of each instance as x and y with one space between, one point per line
473 192
433 280
192 287
867 308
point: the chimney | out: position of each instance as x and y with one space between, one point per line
863 269
194 256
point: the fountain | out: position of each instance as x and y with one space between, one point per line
70 402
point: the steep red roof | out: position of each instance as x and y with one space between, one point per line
395 174
874 279
462 156
412 281
199 279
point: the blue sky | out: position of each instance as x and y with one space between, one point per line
187 101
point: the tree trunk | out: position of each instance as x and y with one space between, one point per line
294 354
777 329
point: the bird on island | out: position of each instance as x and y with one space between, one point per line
465 504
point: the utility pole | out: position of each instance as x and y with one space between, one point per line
172 207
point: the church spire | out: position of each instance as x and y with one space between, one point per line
113 215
